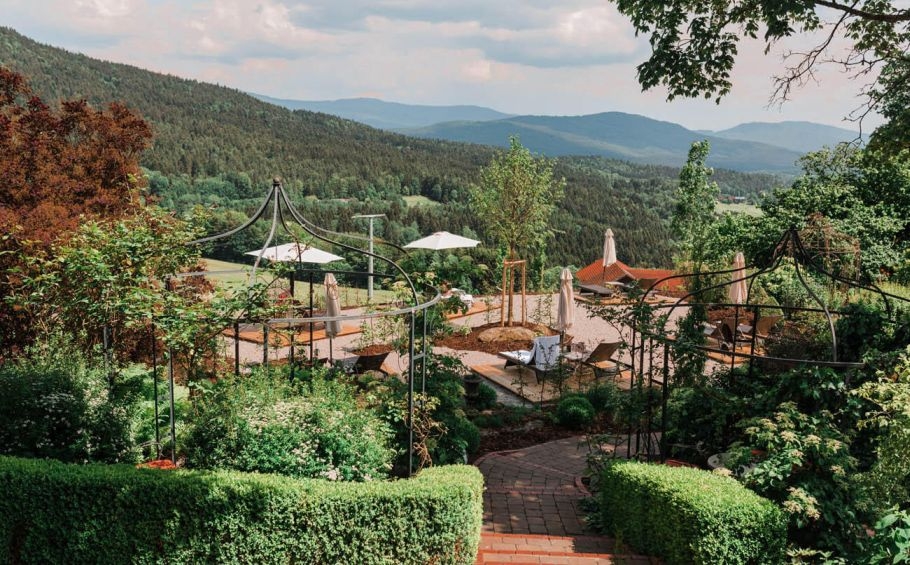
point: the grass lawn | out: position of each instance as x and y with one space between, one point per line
419 200
238 278
748 209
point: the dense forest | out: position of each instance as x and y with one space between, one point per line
219 147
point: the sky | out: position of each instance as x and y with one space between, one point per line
566 57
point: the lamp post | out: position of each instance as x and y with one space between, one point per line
371 217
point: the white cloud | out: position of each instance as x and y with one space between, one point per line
522 56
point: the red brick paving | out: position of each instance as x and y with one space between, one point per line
531 509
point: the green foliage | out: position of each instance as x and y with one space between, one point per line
695 200
486 397
685 515
56 403
807 468
55 513
574 412
694 44
604 398
891 542
888 415
265 423
516 199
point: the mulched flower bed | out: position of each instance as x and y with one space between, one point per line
509 439
375 349
165 464
471 341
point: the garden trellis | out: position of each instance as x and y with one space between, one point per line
654 348
282 211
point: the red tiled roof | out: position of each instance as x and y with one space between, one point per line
595 273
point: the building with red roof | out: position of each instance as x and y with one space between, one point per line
608 270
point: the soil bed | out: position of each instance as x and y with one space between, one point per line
472 342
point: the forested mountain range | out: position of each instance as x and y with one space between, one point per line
796 136
616 135
389 115
219 146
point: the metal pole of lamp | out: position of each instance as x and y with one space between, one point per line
371 217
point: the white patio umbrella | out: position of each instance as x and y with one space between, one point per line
295 252
332 308
738 288
565 313
442 240
609 248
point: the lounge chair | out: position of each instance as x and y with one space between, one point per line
542 358
601 359
762 327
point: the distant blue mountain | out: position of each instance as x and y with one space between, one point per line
797 136
616 135
389 115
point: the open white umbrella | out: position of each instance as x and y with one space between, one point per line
295 252
332 308
609 248
565 313
738 288
442 240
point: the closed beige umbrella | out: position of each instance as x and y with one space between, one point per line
609 248
332 308
738 288
565 314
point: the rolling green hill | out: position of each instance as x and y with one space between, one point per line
796 136
218 146
616 135
389 115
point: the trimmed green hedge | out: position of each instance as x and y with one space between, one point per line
52 512
688 515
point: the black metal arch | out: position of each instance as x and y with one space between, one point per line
278 198
788 245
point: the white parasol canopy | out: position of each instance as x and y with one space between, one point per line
442 240
738 288
565 314
609 248
295 252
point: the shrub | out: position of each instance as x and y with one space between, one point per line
486 397
686 515
574 412
265 423
57 513
604 398
56 404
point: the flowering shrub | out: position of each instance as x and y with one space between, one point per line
806 467
265 423
56 404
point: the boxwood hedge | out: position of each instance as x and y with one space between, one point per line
688 515
52 512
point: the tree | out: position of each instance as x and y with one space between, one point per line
695 203
58 167
516 199
694 43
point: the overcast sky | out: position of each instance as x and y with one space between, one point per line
517 56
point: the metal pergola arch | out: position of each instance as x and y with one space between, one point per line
789 244
278 198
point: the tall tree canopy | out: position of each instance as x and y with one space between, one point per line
695 42
57 166
516 199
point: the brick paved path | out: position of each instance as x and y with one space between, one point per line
535 490
531 508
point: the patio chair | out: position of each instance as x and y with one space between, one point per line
601 359
762 327
542 358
